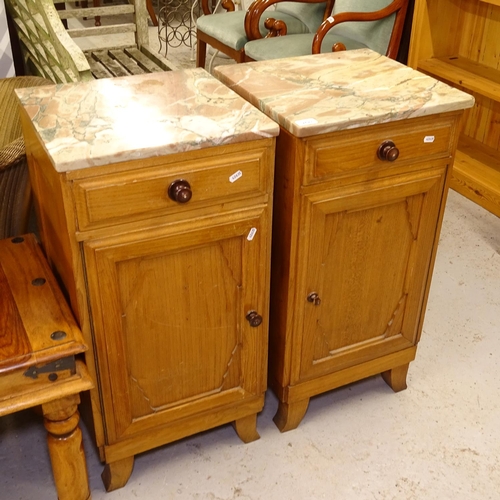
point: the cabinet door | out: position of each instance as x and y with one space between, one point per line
366 256
169 311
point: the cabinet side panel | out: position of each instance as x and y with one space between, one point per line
420 39
286 185
56 222
51 211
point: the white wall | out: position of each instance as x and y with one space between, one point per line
6 59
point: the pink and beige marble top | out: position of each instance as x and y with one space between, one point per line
117 119
311 95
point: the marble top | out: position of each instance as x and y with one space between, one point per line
111 120
315 94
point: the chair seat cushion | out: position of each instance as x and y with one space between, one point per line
229 27
295 45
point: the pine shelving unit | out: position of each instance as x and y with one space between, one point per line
458 42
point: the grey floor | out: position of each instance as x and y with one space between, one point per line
439 439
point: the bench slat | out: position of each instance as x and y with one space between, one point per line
97 70
90 12
142 60
112 29
132 67
112 65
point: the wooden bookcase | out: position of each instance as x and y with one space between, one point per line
458 42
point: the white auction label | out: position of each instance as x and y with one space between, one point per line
251 234
235 176
429 138
306 121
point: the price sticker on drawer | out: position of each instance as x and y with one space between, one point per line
251 234
429 138
237 175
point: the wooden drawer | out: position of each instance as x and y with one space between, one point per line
143 192
355 151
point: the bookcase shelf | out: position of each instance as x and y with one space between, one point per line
457 41
476 174
464 73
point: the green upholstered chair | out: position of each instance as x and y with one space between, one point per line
228 31
354 24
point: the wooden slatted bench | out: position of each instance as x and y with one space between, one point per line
47 30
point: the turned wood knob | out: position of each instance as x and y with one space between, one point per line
338 47
388 151
254 318
180 191
313 297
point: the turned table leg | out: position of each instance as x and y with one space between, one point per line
289 415
246 428
116 474
65 444
97 3
396 377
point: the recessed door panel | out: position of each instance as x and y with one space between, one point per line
189 344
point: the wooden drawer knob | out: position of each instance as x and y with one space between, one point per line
314 298
388 151
254 319
180 191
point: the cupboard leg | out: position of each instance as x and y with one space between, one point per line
396 378
65 445
289 415
116 474
246 428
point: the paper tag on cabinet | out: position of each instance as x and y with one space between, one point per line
251 234
235 176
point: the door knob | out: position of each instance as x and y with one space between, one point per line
254 318
388 151
313 297
180 191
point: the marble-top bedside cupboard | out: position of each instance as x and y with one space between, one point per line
153 196
362 166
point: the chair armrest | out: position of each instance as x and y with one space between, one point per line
276 27
47 48
12 153
208 5
395 6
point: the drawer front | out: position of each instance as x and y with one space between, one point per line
144 192
356 151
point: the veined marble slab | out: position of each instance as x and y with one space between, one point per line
322 93
117 119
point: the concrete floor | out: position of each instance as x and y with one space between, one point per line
439 439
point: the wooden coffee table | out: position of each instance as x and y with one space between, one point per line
39 344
